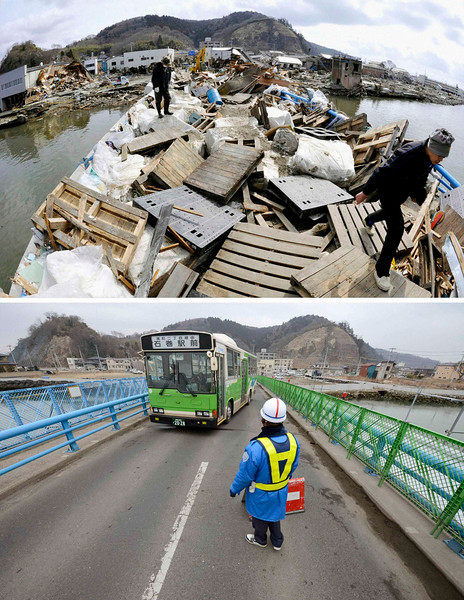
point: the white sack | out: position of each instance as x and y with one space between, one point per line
332 160
79 273
278 117
117 175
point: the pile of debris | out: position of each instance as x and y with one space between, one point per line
246 191
56 79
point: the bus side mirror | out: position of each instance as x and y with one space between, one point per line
214 363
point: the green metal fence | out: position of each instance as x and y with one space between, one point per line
425 467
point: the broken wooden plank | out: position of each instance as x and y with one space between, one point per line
143 287
179 283
152 141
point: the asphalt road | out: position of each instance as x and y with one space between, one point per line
148 515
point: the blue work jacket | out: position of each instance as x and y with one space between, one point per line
254 467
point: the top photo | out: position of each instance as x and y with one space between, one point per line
298 154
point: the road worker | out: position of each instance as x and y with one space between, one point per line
403 175
266 467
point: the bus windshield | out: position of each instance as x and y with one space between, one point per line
187 372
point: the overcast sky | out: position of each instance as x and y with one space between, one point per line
431 329
418 35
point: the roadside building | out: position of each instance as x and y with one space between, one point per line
138 58
346 71
118 364
283 364
384 369
75 364
288 62
364 369
374 69
6 364
446 372
15 84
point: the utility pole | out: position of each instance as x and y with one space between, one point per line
389 359
99 359
456 370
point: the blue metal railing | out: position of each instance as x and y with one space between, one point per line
67 424
452 182
25 406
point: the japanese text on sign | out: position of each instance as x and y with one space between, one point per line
167 342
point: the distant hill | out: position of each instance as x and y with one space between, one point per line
60 336
409 360
308 339
252 31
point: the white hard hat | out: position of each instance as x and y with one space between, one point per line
274 411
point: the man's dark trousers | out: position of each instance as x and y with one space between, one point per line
261 527
393 217
159 97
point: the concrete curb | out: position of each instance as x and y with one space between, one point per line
412 522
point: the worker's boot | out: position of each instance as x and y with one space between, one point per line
166 108
160 114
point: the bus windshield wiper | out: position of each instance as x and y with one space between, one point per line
166 384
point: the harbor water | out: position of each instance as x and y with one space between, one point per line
434 417
33 159
35 156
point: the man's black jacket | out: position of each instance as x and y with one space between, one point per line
161 77
403 175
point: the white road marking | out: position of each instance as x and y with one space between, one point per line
156 582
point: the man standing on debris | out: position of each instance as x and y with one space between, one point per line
160 80
265 470
403 175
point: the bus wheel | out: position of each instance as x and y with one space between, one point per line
229 411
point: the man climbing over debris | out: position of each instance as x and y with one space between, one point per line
160 80
265 470
403 175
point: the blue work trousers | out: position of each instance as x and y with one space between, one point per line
261 528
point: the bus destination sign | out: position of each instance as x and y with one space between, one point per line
177 342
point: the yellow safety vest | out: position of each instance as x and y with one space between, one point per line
278 480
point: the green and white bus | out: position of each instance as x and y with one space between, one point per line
196 378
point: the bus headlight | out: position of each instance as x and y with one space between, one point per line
202 413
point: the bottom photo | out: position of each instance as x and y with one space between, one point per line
191 449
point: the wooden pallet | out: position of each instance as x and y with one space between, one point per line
150 142
74 215
375 139
452 221
347 222
349 273
258 262
175 164
371 147
225 171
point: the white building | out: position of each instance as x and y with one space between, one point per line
14 85
139 58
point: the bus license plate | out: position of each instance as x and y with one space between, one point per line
178 422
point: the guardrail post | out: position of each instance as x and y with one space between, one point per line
394 451
14 413
317 420
357 430
114 418
56 406
449 511
105 391
73 447
145 399
332 425
84 396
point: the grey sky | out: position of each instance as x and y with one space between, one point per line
431 329
408 33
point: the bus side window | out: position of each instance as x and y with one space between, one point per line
230 363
